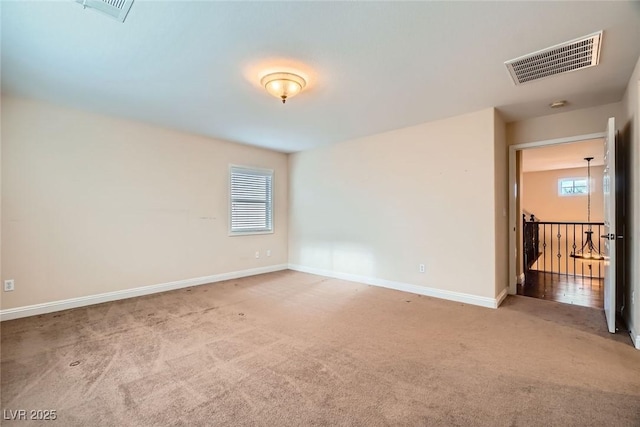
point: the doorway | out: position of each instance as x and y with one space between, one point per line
560 198
613 208
516 221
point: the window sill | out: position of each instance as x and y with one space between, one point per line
248 233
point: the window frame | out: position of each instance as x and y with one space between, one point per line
256 171
583 178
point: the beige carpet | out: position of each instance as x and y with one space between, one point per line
293 349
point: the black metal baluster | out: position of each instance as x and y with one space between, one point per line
599 251
556 248
581 245
525 258
566 250
559 255
536 239
574 246
544 247
551 251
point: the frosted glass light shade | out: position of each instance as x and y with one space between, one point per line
283 85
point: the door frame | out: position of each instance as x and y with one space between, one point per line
513 189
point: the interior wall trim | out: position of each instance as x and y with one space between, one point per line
501 297
50 307
407 287
635 337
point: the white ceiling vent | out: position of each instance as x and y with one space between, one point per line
573 55
117 9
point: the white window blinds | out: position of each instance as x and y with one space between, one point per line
251 193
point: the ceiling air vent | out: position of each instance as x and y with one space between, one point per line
573 55
117 9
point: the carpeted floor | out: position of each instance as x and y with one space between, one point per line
293 349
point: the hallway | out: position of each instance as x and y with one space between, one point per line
568 289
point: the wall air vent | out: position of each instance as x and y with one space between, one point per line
117 9
573 55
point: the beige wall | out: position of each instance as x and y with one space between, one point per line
630 124
381 205
92 204
561 125
541 198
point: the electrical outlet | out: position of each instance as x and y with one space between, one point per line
421 268
268 252
257 254
9 285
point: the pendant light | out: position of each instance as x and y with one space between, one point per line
588 251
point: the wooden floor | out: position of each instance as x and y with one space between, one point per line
577 290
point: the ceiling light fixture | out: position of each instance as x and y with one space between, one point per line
558 104
283 85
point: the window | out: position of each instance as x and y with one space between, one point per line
572 187
251 200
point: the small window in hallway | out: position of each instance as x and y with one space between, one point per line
572 187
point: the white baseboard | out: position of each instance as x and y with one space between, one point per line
501 296
635 338
49 307
406 287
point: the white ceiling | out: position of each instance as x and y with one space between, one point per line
563 156
373 66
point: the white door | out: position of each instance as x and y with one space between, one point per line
609 187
